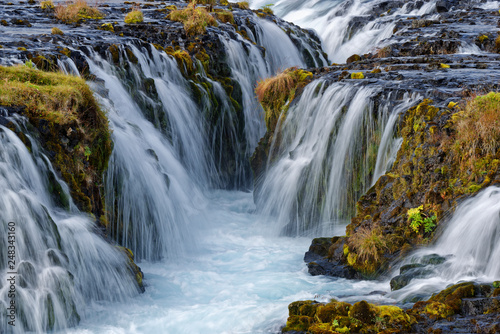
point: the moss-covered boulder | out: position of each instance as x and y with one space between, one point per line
70 124
460 308
276 94
341 317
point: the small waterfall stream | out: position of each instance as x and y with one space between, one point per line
469 243
348 27
62 265
329 156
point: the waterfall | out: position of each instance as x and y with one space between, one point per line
467 247
390 143
149 192
61 263
348 27
328 156
472 237
249 64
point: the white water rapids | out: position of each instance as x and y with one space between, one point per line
213 261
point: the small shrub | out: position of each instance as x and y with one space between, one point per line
76 11
357 75
243 5
135 16
47 5
56 31
417 219
195 19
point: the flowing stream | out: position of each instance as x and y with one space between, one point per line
218 258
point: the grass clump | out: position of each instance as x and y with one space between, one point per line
63 106
243 5
276 93
135 16
56 31
267 9
366 246
47 5
76 11
225 16
478 128
195 19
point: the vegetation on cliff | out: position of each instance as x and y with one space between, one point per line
71 125
135 16
76 11
195 19
446 155
276 93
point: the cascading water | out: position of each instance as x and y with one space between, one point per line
61 264
148 190
469 243
151 214
328 150
348 27
227 271
248 65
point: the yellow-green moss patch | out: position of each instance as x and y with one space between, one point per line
63 106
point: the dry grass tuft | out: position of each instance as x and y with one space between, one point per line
478 128
368 242
195 19
243 5
275 94
76 11
47 5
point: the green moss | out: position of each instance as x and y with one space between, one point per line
135 270
107 27
134 16
342 317
56 31
453 295
64 106
183 60
357 75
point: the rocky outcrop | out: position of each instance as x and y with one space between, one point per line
66 119
461 308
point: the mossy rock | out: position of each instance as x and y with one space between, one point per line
70 124
446 155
